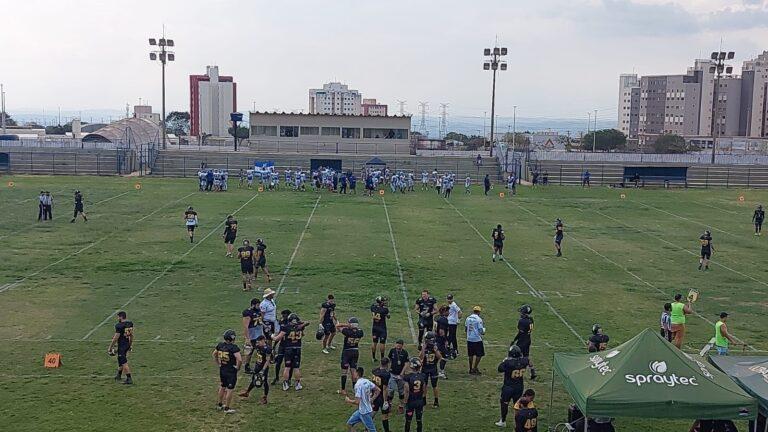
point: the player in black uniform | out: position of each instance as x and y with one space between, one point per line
513 368
497 235
381 377
559 236
260 372
292 334
398 358
526 415
78 207
415 383
123 337
706 249
598 341
441 338
261 260
757 218
430 357
253 327
246 255
328 322
278 359
351 352
425 307
524 330
230 234
190 220
227 356
380 314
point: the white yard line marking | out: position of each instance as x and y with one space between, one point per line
165 271
403 288
83 249
708 226
685 250
705 319
717 208
533 290
280 287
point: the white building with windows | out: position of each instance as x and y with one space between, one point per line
335 98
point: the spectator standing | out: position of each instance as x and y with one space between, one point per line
475 331
454 315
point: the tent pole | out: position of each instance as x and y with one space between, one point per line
552 394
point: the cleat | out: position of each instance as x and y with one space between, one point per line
229 411
298 386
441 375
501 423
128 381
333 347
243 394
325 351
263 400
286 386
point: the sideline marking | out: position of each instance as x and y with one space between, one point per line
280 287
712 227
533 290
163 273
6 287
403 288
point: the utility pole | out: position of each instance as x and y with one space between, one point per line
423 122
2 107
164 56
493 62
514 126
443 120
402 107
719 58
594 134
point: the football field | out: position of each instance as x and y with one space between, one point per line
61 285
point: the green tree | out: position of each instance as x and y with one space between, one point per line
455 136
604 140
522 141
58 129
8 120
242 133
177 123
672 144
475 142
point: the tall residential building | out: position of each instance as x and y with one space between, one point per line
629 105
335 98
682 104
755 96
371 107
212 98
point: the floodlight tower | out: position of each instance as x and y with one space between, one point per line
493 62
718 57
163 55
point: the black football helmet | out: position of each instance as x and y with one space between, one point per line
229 335
515 352
526 309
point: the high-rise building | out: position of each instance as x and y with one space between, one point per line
682 104
212 98
629 105
371 107
335 98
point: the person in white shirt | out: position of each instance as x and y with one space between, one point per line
454 315
475 331
365 392
269 313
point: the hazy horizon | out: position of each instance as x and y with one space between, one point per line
565 56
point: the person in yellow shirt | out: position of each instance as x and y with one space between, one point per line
722 336
677 319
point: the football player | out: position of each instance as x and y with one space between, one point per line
350 354
430 357
415 382
328 322
123 337
513 368
292 334
230 234
598 341
425 307
260 372
190 220
524 330
246 256
227 357
497 235
381 377
380 314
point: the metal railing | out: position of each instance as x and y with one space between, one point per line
688 159
62 143
104 162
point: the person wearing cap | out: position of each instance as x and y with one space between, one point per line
269 313
475 331
454 315
722 337
677 319
398 358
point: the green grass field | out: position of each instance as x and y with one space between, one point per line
60 283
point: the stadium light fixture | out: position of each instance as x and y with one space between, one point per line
494 62
163 56
719 66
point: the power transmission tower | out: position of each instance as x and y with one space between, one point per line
402 107
443 120
423 124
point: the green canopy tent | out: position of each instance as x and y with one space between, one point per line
750 373
648 377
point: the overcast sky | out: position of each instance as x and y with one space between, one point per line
565 59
